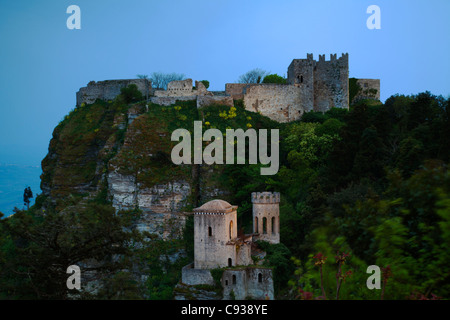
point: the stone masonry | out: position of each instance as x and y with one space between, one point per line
217 245
109 89
311 86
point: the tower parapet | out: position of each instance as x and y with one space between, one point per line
265 197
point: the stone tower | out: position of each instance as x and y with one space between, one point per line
323 84
331 83
301 74
266 216
215 230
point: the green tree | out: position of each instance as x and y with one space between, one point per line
41 245
27 195
206 83
131 94
274 78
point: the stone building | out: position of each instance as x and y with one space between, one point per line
218 245
311 85
266 216
368 89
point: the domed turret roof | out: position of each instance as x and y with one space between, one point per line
216 206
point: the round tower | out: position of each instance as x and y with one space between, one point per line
266 216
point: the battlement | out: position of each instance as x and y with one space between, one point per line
266 197
334 58
317 85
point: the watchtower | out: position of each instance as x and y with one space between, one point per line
215 229
266 216
301 74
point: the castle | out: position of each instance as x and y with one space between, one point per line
311 85
218 245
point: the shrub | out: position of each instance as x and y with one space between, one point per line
206 83
274 78
131 94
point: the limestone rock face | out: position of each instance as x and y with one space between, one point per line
162 204
121 154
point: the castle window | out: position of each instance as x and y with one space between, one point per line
273 225
256 224
230 262
301 79
210 231
265 225
226 282
259 277
234 279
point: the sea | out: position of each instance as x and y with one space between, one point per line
14 179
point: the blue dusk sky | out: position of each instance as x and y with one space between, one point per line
43 63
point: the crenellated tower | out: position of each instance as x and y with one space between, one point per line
331 83
266 216
323 84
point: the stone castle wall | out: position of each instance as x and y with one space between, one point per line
279 102
193 277
370 89
248 282
235 90
109 89
311 85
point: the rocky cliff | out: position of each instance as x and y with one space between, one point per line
119 153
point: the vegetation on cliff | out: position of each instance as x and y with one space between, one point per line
372 182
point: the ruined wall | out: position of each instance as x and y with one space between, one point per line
167 101
244 254
279 102
254 283
183 88
235 90
260 283
203 101
212 251
370 89
331 83
193 277
177 89
109 89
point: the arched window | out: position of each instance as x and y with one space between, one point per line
265 225
230 262
301 79
273 225
231 229
256 225
234 279
226 282
210 231
259 277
